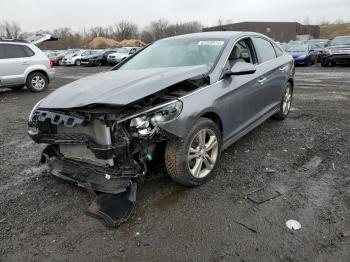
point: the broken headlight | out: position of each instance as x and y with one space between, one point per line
147 123
32 129
33 110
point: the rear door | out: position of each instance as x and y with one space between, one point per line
270 70
14 60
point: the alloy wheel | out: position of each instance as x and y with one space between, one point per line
203 153
287 100
38 82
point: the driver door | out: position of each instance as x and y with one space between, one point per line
241 103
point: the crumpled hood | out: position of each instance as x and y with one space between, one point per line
118 87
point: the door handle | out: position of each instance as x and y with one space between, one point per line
262 80
282 68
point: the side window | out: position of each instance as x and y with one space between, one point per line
27 51
264 49
242 52
279 51
14 51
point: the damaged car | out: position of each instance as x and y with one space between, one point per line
179 102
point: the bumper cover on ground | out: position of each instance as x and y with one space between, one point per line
115 209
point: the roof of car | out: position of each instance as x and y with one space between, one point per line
13 41
215 34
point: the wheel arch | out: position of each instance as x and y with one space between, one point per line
215 118
39 71
291 81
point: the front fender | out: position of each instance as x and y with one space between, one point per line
206 100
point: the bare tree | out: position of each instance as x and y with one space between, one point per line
125 30
10 29
339 21
306 20
159 28
220 22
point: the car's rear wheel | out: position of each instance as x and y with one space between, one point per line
37 82
191 161
286 103
98 63
77 62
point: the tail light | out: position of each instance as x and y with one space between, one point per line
51 64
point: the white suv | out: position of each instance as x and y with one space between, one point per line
22 63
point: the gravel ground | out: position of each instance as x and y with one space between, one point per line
305 158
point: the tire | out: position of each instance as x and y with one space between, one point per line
178 155
324 62
77 62
17 88
286 102
308 62
98 63
37 82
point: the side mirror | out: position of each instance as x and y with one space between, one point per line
241 68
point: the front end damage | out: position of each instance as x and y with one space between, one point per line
107 149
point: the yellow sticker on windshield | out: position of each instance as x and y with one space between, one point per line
219 43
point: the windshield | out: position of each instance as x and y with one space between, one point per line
297 48
177 53
319 44
123 50
91 52
71 52
340 41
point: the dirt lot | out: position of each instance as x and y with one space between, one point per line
306 158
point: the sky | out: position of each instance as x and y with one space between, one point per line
34 15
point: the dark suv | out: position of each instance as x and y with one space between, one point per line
338 52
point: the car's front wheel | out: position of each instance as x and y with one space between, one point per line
77 62
37 82
286 102
191 161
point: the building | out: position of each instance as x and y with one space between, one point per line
279 31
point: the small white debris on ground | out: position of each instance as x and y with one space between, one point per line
293 224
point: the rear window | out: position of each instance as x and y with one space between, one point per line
14 51
264 48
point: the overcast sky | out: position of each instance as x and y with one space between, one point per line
33 15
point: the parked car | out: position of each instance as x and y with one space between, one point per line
303 54
318 45
24 64
106 54
95 57
72 57
121 54
55 57
338 52
181 100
